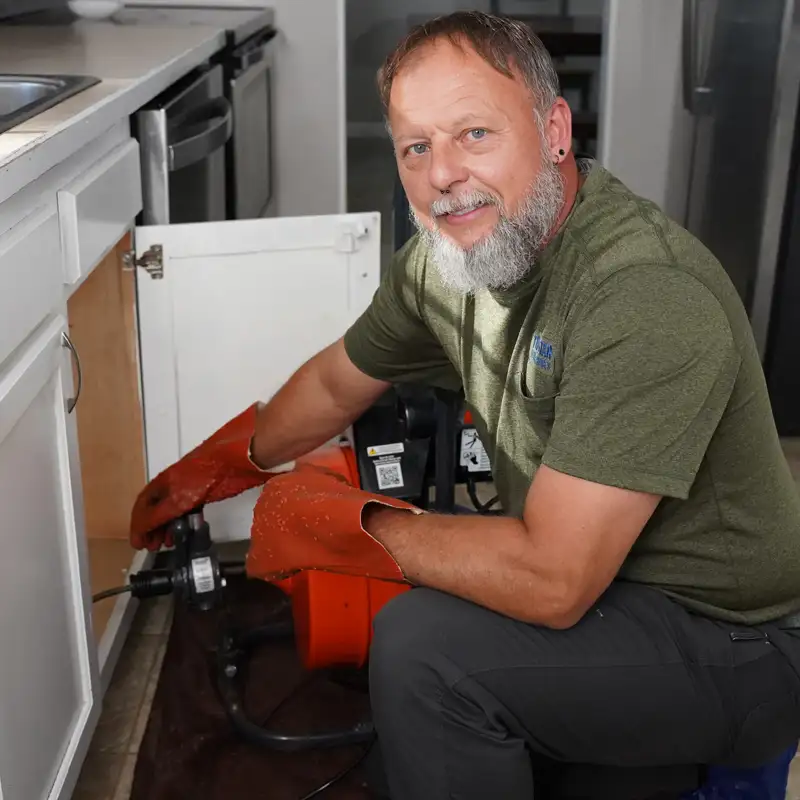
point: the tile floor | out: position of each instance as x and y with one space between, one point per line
108 770
107 773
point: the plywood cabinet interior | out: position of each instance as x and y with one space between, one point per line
102 327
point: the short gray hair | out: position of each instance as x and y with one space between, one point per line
505 44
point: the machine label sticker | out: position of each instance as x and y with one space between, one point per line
203 574
385 449
390 474
473 454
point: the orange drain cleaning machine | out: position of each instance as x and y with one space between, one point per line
414 444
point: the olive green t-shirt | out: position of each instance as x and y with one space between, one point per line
625 358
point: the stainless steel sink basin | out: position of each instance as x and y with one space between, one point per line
25 96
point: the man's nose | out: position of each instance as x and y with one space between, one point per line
447 167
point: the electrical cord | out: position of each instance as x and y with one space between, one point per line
304 683
233 567
111 592
295 691
481 508
339 775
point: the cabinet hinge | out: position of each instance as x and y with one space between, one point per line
349 236
152 261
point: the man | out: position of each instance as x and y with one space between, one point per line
633 606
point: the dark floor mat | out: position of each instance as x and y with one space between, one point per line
189 749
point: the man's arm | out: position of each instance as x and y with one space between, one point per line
640 398
389 343
317 403
546 569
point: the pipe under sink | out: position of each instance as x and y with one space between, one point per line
25 96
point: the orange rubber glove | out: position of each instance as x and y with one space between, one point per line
311 519
218 468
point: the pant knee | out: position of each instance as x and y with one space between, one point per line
406 654
398 637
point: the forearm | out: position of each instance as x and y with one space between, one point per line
491 561
299 418
317 403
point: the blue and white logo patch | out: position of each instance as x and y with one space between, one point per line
542 353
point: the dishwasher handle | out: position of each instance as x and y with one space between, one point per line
199 133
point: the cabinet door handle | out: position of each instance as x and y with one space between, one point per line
67 342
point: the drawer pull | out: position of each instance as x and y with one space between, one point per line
67 342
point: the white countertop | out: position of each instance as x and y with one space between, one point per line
133 62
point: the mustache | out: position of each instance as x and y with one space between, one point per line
467 201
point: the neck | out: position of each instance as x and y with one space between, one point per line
572 181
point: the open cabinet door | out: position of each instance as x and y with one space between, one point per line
238 307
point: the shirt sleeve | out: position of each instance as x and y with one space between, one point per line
391 341
649 367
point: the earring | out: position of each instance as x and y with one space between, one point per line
560 155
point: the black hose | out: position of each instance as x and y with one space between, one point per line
231 569
111 592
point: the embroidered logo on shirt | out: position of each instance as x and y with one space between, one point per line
542 353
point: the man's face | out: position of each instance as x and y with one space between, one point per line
475 164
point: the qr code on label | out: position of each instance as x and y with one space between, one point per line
390 476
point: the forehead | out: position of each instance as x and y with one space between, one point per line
442 81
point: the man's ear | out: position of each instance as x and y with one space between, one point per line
558 127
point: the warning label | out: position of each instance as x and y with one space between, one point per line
473 454
385 449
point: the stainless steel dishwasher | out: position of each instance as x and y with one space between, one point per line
248 77
182 135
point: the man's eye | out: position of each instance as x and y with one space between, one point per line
478 133
417 149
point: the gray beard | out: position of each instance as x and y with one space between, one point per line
504 257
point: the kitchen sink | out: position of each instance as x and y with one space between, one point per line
25 96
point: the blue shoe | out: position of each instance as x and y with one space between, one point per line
768 782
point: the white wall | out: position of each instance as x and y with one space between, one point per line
645 133
310 116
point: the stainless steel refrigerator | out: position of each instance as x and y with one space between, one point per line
700 113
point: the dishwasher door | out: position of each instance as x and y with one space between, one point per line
251 190
182 135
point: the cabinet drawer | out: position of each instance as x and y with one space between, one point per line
31 277
97 208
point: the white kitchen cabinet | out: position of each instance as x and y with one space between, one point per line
160 363
67 475
48 674
240 306
33 240
95 210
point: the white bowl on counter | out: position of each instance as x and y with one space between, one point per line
95 9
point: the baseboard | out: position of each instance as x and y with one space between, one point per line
119 624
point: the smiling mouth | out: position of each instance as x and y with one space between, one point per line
462 212
465 211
